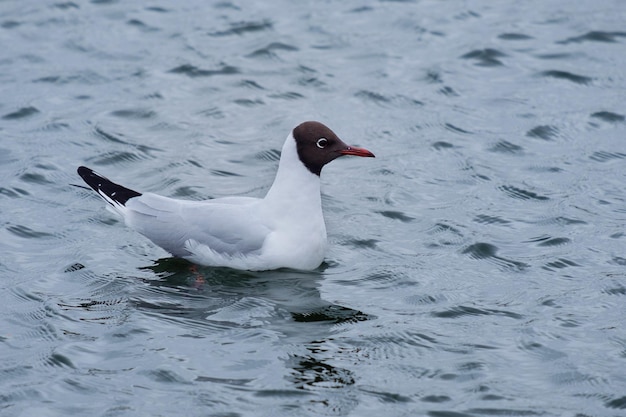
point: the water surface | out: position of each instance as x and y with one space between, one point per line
476 266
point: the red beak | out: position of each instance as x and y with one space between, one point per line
353 150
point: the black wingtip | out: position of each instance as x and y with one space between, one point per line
102 185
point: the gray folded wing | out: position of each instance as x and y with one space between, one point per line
229 226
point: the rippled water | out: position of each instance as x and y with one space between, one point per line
476 266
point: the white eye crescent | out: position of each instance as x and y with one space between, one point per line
322 142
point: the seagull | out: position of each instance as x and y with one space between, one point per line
285 229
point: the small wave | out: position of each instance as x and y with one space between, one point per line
308 81
242 28
59 360
448 91
157 9
487 251
21 113
485 57
487 219
616 290
141 25
608 116
77 266
559 264
437 399
311 372
618 403
550 241
383 100
27 233
566 221
445 235
424 299
186 192
502 411
543 352
53 126
397 344
9 24
442 145
111 137
603 156
83 77
268 155
35 178
460 311
555 241
380 280
288 95
222 173
618 260
521 194
213 113
596 36
560 55
334 314
270 51
504 146
246 102
568 76
397 215
115 157
514 36
134 114
13 192
545 132
193 71
456 129
224 381
363 243
253 85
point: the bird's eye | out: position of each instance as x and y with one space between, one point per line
322 142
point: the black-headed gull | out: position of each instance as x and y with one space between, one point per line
283 230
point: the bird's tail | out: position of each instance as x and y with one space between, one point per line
112 193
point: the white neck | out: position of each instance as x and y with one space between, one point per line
294 184
294 205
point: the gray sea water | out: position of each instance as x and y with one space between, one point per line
477 266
